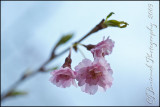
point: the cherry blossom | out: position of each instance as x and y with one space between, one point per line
91 75
103 48
63 77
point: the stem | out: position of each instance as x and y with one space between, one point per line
95 29
81 53
52 57
17 83
70 51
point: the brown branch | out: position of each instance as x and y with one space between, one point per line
95 29
52 57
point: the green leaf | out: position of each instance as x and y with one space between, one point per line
16 93
115 23
64 39
110 15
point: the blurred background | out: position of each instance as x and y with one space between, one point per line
29 31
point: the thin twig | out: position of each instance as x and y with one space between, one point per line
95 29
52 57
81 52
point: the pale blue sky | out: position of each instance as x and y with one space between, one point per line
31 29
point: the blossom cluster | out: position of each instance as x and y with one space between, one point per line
91 75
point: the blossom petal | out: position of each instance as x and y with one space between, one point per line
91 89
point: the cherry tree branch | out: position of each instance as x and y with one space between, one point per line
52 57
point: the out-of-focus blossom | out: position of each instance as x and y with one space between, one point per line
103 48
63 77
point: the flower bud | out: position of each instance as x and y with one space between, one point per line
89 47
67 63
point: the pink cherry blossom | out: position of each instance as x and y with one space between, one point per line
63 77
91 75
103 48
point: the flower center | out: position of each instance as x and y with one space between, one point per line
95 75
65 77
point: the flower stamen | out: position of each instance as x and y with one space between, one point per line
95 75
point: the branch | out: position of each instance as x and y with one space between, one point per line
52 57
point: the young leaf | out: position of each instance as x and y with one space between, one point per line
64 39
115 23
109 15
16 93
